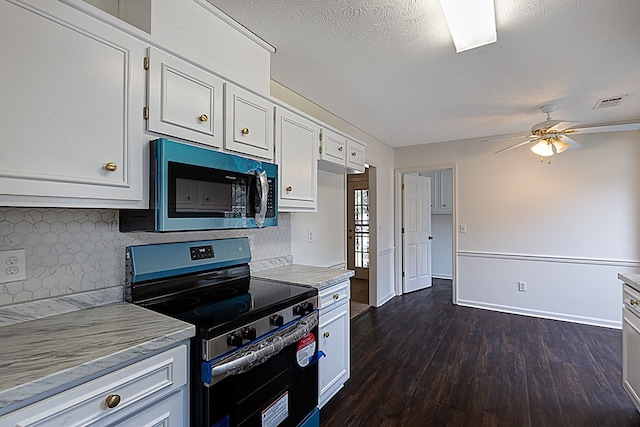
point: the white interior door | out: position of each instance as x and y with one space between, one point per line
416 225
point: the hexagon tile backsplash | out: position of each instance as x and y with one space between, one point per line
75 250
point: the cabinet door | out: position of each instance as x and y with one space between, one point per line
184 101
355 156
334 369
296 148
333 147
631 355
73 93
445 188
248 123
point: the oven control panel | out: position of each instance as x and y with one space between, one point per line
201 252
255 330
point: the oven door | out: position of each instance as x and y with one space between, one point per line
271 382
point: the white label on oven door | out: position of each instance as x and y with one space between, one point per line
277 412
306 349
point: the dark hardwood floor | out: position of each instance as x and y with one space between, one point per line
419 360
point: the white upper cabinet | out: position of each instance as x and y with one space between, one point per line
248 123
441 191
355 156
296 148
184 101
72 99
339 154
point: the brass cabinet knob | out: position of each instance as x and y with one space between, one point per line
326 334
353 153
633 302
204 118
336 296
112 400
340 148
111 167
245 131
289 188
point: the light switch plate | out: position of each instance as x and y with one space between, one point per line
12 266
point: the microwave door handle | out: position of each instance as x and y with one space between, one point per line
263 191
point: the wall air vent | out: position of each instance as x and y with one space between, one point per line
609 102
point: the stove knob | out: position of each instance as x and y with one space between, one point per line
234 339
298 310
249 333
307 307
276 320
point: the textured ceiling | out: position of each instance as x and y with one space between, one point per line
390 67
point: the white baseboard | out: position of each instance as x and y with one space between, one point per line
542 314
442 276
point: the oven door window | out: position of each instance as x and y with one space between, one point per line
200 192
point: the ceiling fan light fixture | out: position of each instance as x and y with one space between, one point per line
559 145
472 23
543 148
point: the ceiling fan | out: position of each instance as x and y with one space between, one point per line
551 136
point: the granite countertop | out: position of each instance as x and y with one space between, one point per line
38 356
316 277
632 280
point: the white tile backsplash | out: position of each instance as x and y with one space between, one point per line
76 250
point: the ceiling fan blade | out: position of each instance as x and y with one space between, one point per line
520 144
504 138
573 144
560 126
610 128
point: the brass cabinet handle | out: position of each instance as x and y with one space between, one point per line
340 148
289 188
326 334
245 131
336 296
633 302
353 153
111 167
112 400
204 118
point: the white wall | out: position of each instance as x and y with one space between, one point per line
328 224
566 228
379 155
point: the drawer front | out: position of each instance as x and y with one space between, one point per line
169 412
85 404
631 299
334 295
631 354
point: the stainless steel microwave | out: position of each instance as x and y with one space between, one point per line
198 188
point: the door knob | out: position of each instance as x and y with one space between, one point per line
430 237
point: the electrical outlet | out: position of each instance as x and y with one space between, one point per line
12 266
310 235
522 286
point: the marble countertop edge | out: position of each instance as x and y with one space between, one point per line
631 279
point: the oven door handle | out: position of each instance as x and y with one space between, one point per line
257 353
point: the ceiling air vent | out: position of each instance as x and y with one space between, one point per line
609 102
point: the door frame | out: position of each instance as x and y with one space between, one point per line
398 172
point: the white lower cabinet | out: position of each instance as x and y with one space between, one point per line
152 392
631 344
334 329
